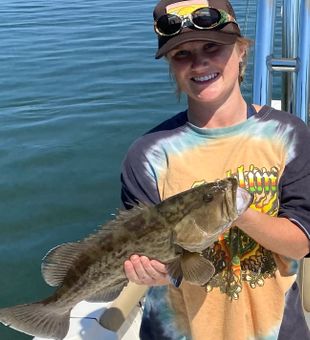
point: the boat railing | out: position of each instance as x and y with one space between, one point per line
295 62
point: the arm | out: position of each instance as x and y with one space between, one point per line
288 234
277 234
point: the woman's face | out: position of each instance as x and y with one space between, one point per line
206 72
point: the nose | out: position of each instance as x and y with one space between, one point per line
200 60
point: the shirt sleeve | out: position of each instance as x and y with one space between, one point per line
294 186
138 177
138 180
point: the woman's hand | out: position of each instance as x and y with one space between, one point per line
143 271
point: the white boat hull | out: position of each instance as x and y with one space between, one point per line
84 323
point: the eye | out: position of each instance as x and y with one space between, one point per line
181 54
207 197
210 47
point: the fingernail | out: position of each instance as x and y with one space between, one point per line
134 257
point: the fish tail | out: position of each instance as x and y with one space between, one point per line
36 319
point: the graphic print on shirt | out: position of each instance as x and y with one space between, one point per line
236 256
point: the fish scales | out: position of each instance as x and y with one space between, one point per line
108 248
175 231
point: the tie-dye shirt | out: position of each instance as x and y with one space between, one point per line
253 293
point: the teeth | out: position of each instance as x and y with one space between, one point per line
205 78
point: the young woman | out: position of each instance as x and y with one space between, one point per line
253 293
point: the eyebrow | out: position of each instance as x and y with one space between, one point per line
188 47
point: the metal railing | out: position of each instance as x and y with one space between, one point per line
295 61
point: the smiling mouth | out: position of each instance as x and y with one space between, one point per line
203 79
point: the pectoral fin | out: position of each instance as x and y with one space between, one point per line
174 270
196 269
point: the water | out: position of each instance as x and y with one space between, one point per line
78 84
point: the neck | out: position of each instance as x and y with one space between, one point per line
206 115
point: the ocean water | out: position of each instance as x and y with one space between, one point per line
78 83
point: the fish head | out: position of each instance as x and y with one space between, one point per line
211 209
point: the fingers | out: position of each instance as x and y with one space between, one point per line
130 271
142 270
160 267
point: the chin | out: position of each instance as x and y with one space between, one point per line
208 98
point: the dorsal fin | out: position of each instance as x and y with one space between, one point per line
124 215
119 222
58 261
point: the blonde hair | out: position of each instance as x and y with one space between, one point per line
243 44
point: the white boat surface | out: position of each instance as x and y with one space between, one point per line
85 318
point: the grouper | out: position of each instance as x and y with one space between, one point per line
176 232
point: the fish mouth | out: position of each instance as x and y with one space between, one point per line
205 78
243 200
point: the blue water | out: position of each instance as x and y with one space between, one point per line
78 84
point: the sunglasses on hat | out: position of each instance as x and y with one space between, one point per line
204 18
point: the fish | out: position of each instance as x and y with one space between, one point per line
176 232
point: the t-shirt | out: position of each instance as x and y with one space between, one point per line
253 293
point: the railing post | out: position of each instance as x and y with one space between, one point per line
290 11
262 86
303 75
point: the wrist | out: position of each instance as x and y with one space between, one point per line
244 220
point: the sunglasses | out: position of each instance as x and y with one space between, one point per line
204 18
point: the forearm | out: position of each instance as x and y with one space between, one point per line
275 233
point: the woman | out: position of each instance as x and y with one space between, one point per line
253 294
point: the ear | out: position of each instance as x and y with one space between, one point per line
242 52
243 47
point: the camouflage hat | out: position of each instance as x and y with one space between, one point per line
225 33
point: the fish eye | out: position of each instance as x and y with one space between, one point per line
207 197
